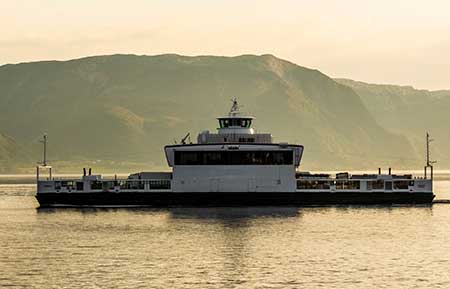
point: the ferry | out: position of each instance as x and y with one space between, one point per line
237 166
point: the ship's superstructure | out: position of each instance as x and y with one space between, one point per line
236 159
236 166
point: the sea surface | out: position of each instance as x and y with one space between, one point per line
318 247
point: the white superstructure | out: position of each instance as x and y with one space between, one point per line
235 159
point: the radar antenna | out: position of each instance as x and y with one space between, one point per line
235 107
430 163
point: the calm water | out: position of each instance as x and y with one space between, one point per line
332 247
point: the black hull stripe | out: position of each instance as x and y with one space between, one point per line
216 199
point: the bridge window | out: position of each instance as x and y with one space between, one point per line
233 158
187 158
245 123
239 122
224 123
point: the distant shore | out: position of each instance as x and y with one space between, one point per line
439 175
31 179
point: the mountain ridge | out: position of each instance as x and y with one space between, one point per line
126 107
409 111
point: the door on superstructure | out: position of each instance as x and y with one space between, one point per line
388 186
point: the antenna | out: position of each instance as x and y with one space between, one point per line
429 163
183 140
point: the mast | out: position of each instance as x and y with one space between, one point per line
429 164
44 142
44 163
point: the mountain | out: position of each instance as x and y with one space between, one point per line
410 112
11 153
127 107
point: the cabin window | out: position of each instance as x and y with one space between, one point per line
375 185
401 185
108 185
80 186
70 185
123 185
313 185
159 184
96 185
234 158
131 185
347 185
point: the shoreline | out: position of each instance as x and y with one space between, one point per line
439 175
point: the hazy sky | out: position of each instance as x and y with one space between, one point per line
381 41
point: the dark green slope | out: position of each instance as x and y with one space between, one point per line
11 154
410 112
127 107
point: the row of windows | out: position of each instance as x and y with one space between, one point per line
245 139
242 122
325 185
347 185
131 184
375 185
403 185
242 139
233 158
352 185
313 185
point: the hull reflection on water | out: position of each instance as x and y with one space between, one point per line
188 213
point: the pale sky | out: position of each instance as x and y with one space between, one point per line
380 41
